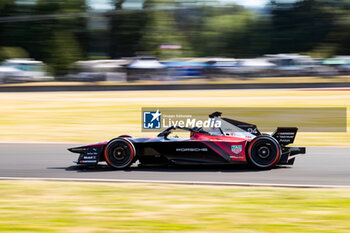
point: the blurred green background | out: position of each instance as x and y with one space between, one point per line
62 32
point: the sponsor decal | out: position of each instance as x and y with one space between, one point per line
191 149
88 161
91 153
285 140
89 157
286 133
152 119
236 149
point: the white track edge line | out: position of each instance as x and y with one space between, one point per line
178 182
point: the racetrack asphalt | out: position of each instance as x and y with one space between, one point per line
320 166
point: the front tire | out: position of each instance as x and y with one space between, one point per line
264 152
119 153
125 136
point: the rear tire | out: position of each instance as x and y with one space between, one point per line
119 153
264 152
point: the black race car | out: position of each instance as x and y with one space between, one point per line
235 142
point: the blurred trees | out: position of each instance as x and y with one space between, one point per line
163 28
142 31
318 27
65 50
235 33
12 52
301 26
201 29
126 31
338 38
57 41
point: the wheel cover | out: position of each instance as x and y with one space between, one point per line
119 153
264 152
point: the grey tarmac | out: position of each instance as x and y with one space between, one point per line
320 166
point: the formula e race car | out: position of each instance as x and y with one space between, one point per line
234 142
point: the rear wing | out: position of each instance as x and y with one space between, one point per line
285 135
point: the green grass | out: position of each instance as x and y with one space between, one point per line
38 206
98 116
